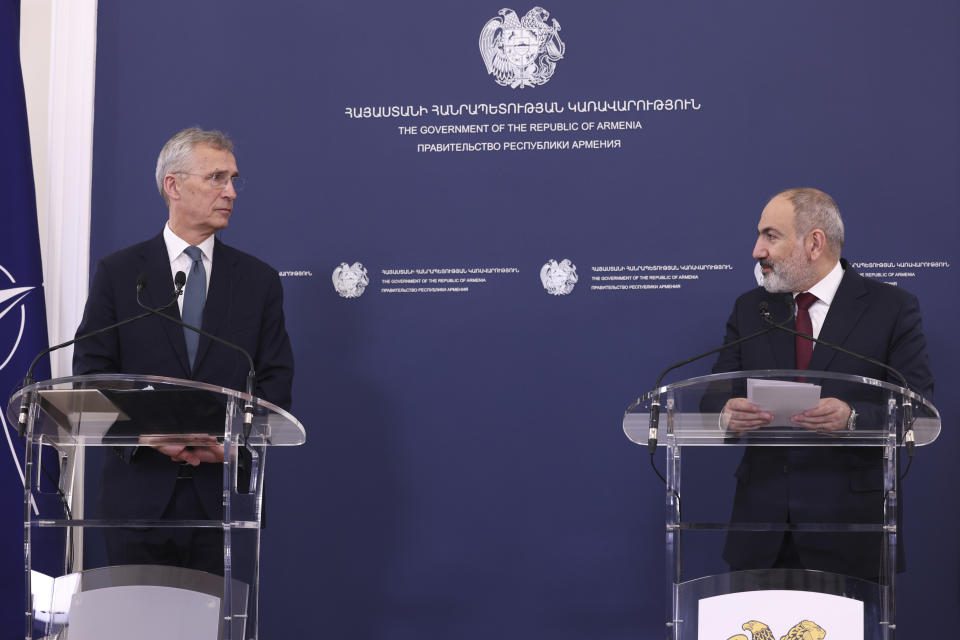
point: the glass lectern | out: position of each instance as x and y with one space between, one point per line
69 425
889 419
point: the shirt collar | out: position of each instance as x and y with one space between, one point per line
176 244
826 289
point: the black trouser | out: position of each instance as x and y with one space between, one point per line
198 548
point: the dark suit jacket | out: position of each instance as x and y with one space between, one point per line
244 306
823 484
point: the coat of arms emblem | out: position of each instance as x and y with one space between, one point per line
559 278
803 630
521 52
350 279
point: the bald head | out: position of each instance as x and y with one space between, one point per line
814 209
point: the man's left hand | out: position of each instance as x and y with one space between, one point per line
192 449
830 414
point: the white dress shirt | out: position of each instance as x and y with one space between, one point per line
825 290
180 261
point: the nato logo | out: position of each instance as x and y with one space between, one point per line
10 300
521 52
350 279
559 278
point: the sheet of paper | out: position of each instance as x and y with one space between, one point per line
781 398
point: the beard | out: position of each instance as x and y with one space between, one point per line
787 275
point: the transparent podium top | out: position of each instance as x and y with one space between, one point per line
691 410
120 409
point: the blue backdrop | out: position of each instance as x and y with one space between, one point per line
465 473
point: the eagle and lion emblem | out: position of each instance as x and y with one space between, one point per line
521 52
803 630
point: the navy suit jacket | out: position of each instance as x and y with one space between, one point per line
823 484
244 306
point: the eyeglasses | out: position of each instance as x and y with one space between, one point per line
218 179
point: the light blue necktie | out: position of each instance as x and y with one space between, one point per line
194 297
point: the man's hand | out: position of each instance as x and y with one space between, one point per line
193 449
739 414
830 414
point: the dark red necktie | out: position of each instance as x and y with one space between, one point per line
804 325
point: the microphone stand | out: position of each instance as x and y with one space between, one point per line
653 432
909 439
180 281
27 399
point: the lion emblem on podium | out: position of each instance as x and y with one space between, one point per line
803 630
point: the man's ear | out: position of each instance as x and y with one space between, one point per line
171 187
816 243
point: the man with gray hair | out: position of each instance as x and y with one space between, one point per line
229 294
798 248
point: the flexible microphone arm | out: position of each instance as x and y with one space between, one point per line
655 404
769 320
179 281
908 435
28 379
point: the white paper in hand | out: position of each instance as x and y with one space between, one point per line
781 398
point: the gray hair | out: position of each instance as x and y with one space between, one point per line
815 209
177 152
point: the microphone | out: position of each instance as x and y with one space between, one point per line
908 435
179 280
653 431
790 303
27 399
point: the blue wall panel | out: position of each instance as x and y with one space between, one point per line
465 473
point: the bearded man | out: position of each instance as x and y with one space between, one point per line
799 243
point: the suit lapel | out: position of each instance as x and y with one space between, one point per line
848 306
218 297
155 265
781 342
